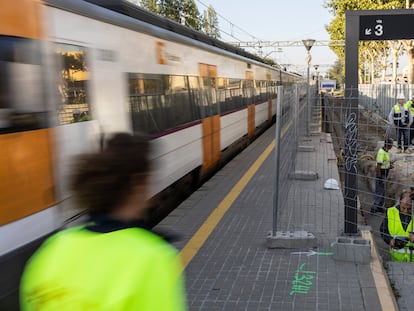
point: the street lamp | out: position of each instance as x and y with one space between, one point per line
308 43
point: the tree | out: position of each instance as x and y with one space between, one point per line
184 12
170 9
150 5
190 16
210 23
335 73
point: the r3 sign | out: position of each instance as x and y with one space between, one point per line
385 27
379 30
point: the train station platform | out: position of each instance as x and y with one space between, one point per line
223 228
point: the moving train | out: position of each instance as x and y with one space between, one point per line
72 72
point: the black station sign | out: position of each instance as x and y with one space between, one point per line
386 27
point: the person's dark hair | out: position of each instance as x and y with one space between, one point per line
404 194
388 142
101 181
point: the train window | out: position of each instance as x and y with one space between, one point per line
22 92
210 104
261 92
272 88
162 102
221 93
178 101
146 98
248 92
72 84
195 96
230 94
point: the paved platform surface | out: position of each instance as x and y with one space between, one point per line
402 276
229 266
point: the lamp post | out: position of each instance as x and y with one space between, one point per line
317 78
308 43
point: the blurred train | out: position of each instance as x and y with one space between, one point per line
73 72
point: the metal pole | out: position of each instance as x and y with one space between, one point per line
308 60
412 218
295 125
411 243
277 158
351 123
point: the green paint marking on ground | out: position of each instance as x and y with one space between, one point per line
302 281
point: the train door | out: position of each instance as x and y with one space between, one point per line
269 97
210 117
26 141
248 90
27 187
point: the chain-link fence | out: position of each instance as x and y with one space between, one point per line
383 190
380 98
378 189
306 161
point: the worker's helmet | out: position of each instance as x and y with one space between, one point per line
400 96
331 184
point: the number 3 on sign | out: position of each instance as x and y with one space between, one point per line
379 30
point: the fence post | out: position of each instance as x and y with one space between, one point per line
277 157
296 131
351 125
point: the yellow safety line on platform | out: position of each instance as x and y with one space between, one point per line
198 239
385 293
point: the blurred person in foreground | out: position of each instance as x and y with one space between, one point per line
382 169
397 229
113 261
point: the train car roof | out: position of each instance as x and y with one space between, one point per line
134 11
127 15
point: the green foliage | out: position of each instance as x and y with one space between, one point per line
191 14
336 73
170 9
150 5
185 12
210 23
269 61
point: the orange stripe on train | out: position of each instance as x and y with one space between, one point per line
21 19
26 174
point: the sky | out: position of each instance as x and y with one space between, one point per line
277 20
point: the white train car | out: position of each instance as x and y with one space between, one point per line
72 72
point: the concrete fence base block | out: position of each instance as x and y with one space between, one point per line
355 249
306 148
304 175
291 239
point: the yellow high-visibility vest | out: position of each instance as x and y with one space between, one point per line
123 270
409 106
400 116
395 229
383 158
